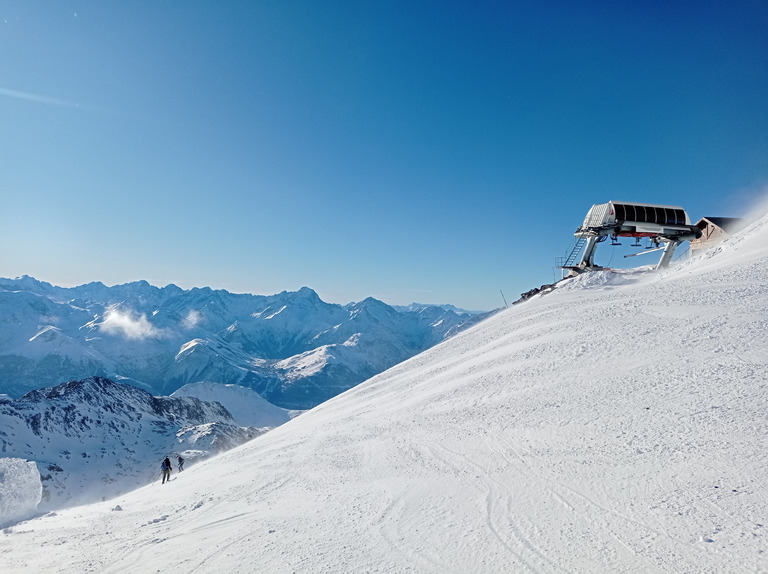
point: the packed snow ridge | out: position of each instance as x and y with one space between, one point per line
614 426
162 339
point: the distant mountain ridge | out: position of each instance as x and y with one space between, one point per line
292 348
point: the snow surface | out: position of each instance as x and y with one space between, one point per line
607 428
20 490
246 406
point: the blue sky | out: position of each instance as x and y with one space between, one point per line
436 152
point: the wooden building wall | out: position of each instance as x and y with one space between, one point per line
711 234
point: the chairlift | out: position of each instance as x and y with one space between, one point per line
663 223
636 243
650 245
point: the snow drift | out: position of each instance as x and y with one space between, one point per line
20 490
599 428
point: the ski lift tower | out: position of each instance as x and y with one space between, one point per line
665 224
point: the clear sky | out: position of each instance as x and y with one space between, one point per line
438 152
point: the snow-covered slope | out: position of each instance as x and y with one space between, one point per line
162 339
599 428
247 407
94 439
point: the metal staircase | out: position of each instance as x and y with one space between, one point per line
567 262
574 254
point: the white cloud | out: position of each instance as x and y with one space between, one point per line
758 206
192 319
129 324
36 98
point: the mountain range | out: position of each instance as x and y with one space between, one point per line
292 348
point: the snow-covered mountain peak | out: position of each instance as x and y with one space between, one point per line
25 283
444 307
308 294
374 309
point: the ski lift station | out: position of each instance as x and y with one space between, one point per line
664 226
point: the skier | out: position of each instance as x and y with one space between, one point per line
166 469
180 460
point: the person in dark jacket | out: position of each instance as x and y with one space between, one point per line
180 460
166 469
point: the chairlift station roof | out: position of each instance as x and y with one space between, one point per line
624 219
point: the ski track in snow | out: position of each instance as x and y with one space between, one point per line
615 428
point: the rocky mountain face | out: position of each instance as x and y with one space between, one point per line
94 438
292 348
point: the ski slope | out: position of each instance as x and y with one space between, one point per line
617 424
